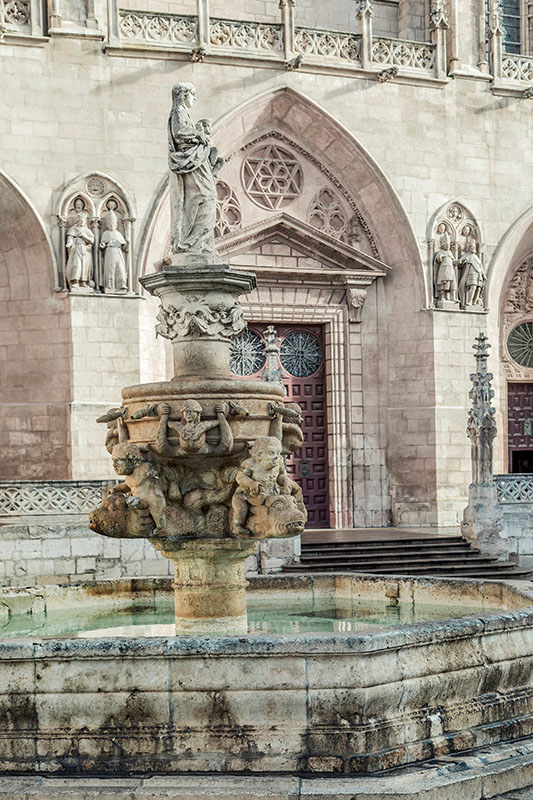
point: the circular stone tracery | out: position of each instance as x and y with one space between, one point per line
246 354
300 354
520 344
272 177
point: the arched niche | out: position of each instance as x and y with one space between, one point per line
97 203
35 366
456 253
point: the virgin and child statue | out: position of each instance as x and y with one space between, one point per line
193 163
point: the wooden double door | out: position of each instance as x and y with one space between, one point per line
301 364
520 426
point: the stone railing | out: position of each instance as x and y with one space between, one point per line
39 498
158 29
403 54
327 44
516 488
517 68
283 44
15 16
246 35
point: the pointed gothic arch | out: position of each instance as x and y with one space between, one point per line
35 384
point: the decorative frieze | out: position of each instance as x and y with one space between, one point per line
198 316
245 35
328 44
15 16
158 28
517 67
405 54
50 497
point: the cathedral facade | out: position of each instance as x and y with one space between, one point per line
377 178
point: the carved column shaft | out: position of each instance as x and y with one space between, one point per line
203 23
287 21
495 38
364 15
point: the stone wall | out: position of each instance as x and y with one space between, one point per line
88 107
63 549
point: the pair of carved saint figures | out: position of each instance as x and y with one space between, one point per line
80 270
468 290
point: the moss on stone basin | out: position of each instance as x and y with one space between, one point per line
326 703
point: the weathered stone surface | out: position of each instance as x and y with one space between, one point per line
337 705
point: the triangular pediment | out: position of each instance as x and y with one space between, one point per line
319 249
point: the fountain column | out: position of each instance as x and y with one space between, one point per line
201 454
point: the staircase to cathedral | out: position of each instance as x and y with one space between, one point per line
397 552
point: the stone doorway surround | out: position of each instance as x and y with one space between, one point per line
305 276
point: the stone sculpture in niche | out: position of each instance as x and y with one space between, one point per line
192 184
80 239
473 279
114 245
266 503
446 275
456 257
108 217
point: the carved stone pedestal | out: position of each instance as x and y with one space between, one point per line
448 305
482 523
209 585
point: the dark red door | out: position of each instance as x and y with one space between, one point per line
520 426
301 355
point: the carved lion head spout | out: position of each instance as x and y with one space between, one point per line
278 517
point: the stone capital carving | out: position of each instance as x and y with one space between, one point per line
363 8
356 297
199 316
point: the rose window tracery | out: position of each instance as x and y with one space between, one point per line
300 354
229 216
520 344
246 354
327 214
272 177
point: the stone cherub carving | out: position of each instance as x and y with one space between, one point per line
192 430
473 278
266 502
216 161
445 273
114 245
80 240
140 504
192 181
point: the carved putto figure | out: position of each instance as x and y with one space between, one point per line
266 502
80 240
114 245
446 276
216 161
192 182
474 278
192 430
200 317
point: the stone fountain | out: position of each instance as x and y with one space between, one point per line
201 454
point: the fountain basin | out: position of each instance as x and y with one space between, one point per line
320 703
